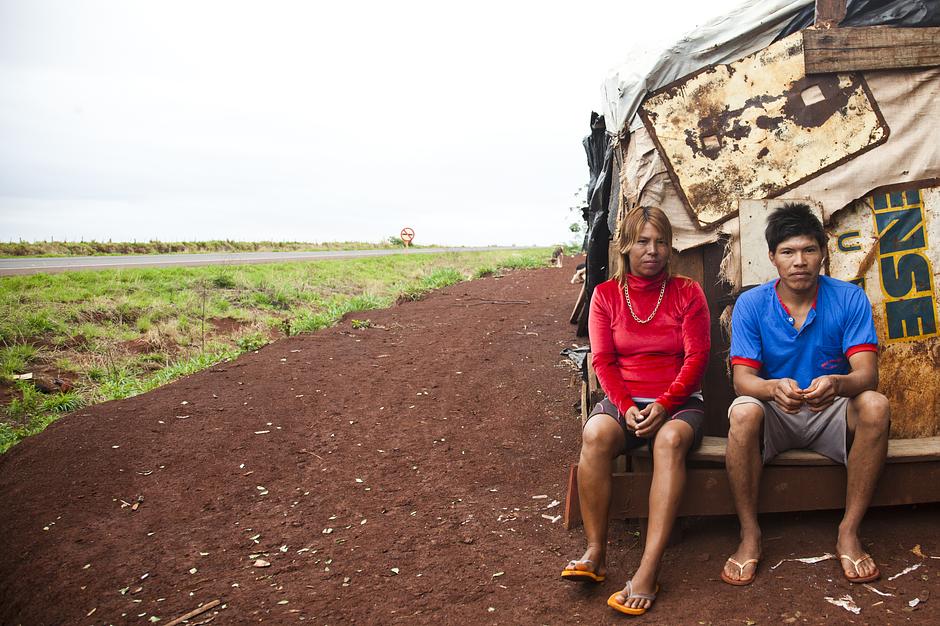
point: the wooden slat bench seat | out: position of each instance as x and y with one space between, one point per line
797 480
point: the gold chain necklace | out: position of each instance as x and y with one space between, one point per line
626 293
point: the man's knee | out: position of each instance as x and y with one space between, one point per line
745 420
872 411
601 435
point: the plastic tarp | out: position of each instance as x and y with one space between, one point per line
750 27
598 151
899 13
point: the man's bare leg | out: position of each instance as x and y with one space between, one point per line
670 447
602 441
868 420
744 465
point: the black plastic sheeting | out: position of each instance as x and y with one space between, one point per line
900 13
599 151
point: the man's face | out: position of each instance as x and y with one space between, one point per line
798 261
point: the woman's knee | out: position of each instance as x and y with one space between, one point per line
601 435
745 420
674 437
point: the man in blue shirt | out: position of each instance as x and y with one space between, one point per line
804 355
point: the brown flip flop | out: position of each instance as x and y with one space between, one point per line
859 580
741 581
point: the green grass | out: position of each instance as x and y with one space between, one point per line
119 333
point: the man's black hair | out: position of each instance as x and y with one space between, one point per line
793 219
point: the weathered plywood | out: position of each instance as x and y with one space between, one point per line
756 267
889 243
870 48
755 128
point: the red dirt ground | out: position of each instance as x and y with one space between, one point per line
388 475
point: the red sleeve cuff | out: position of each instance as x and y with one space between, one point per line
740 360
862 347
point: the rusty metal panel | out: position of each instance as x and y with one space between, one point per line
758 127
889 243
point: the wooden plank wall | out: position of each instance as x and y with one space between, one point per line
870 48
703 264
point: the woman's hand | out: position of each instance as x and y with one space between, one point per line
651 418
632 417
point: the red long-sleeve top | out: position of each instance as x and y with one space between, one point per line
664 359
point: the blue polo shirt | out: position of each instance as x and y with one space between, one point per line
839 325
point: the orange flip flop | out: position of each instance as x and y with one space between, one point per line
582 575
859 580
612 600
741 581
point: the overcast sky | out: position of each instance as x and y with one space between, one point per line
310 121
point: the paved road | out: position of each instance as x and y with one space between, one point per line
33 265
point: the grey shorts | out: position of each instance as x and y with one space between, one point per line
692 413
822 432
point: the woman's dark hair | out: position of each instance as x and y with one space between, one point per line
793 220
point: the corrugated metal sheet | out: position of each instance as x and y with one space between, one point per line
755 128
889 243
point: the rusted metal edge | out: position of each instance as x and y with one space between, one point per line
881 122
662 154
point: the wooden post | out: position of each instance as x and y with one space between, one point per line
829 13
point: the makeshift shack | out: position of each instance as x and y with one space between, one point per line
829 102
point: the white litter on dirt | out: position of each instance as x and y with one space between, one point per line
809 560
913 602
880 593
846 602
906 570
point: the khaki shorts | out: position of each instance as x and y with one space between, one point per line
823 432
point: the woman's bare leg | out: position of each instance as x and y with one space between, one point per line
670 447
601 442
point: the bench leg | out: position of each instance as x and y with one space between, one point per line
572 502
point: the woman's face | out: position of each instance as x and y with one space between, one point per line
648 256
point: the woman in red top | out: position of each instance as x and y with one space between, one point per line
649 339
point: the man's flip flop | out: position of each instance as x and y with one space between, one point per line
741 581
612 600
859 580
582 575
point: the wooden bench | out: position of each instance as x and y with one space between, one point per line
797 480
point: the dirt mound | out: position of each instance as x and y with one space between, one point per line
405 472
